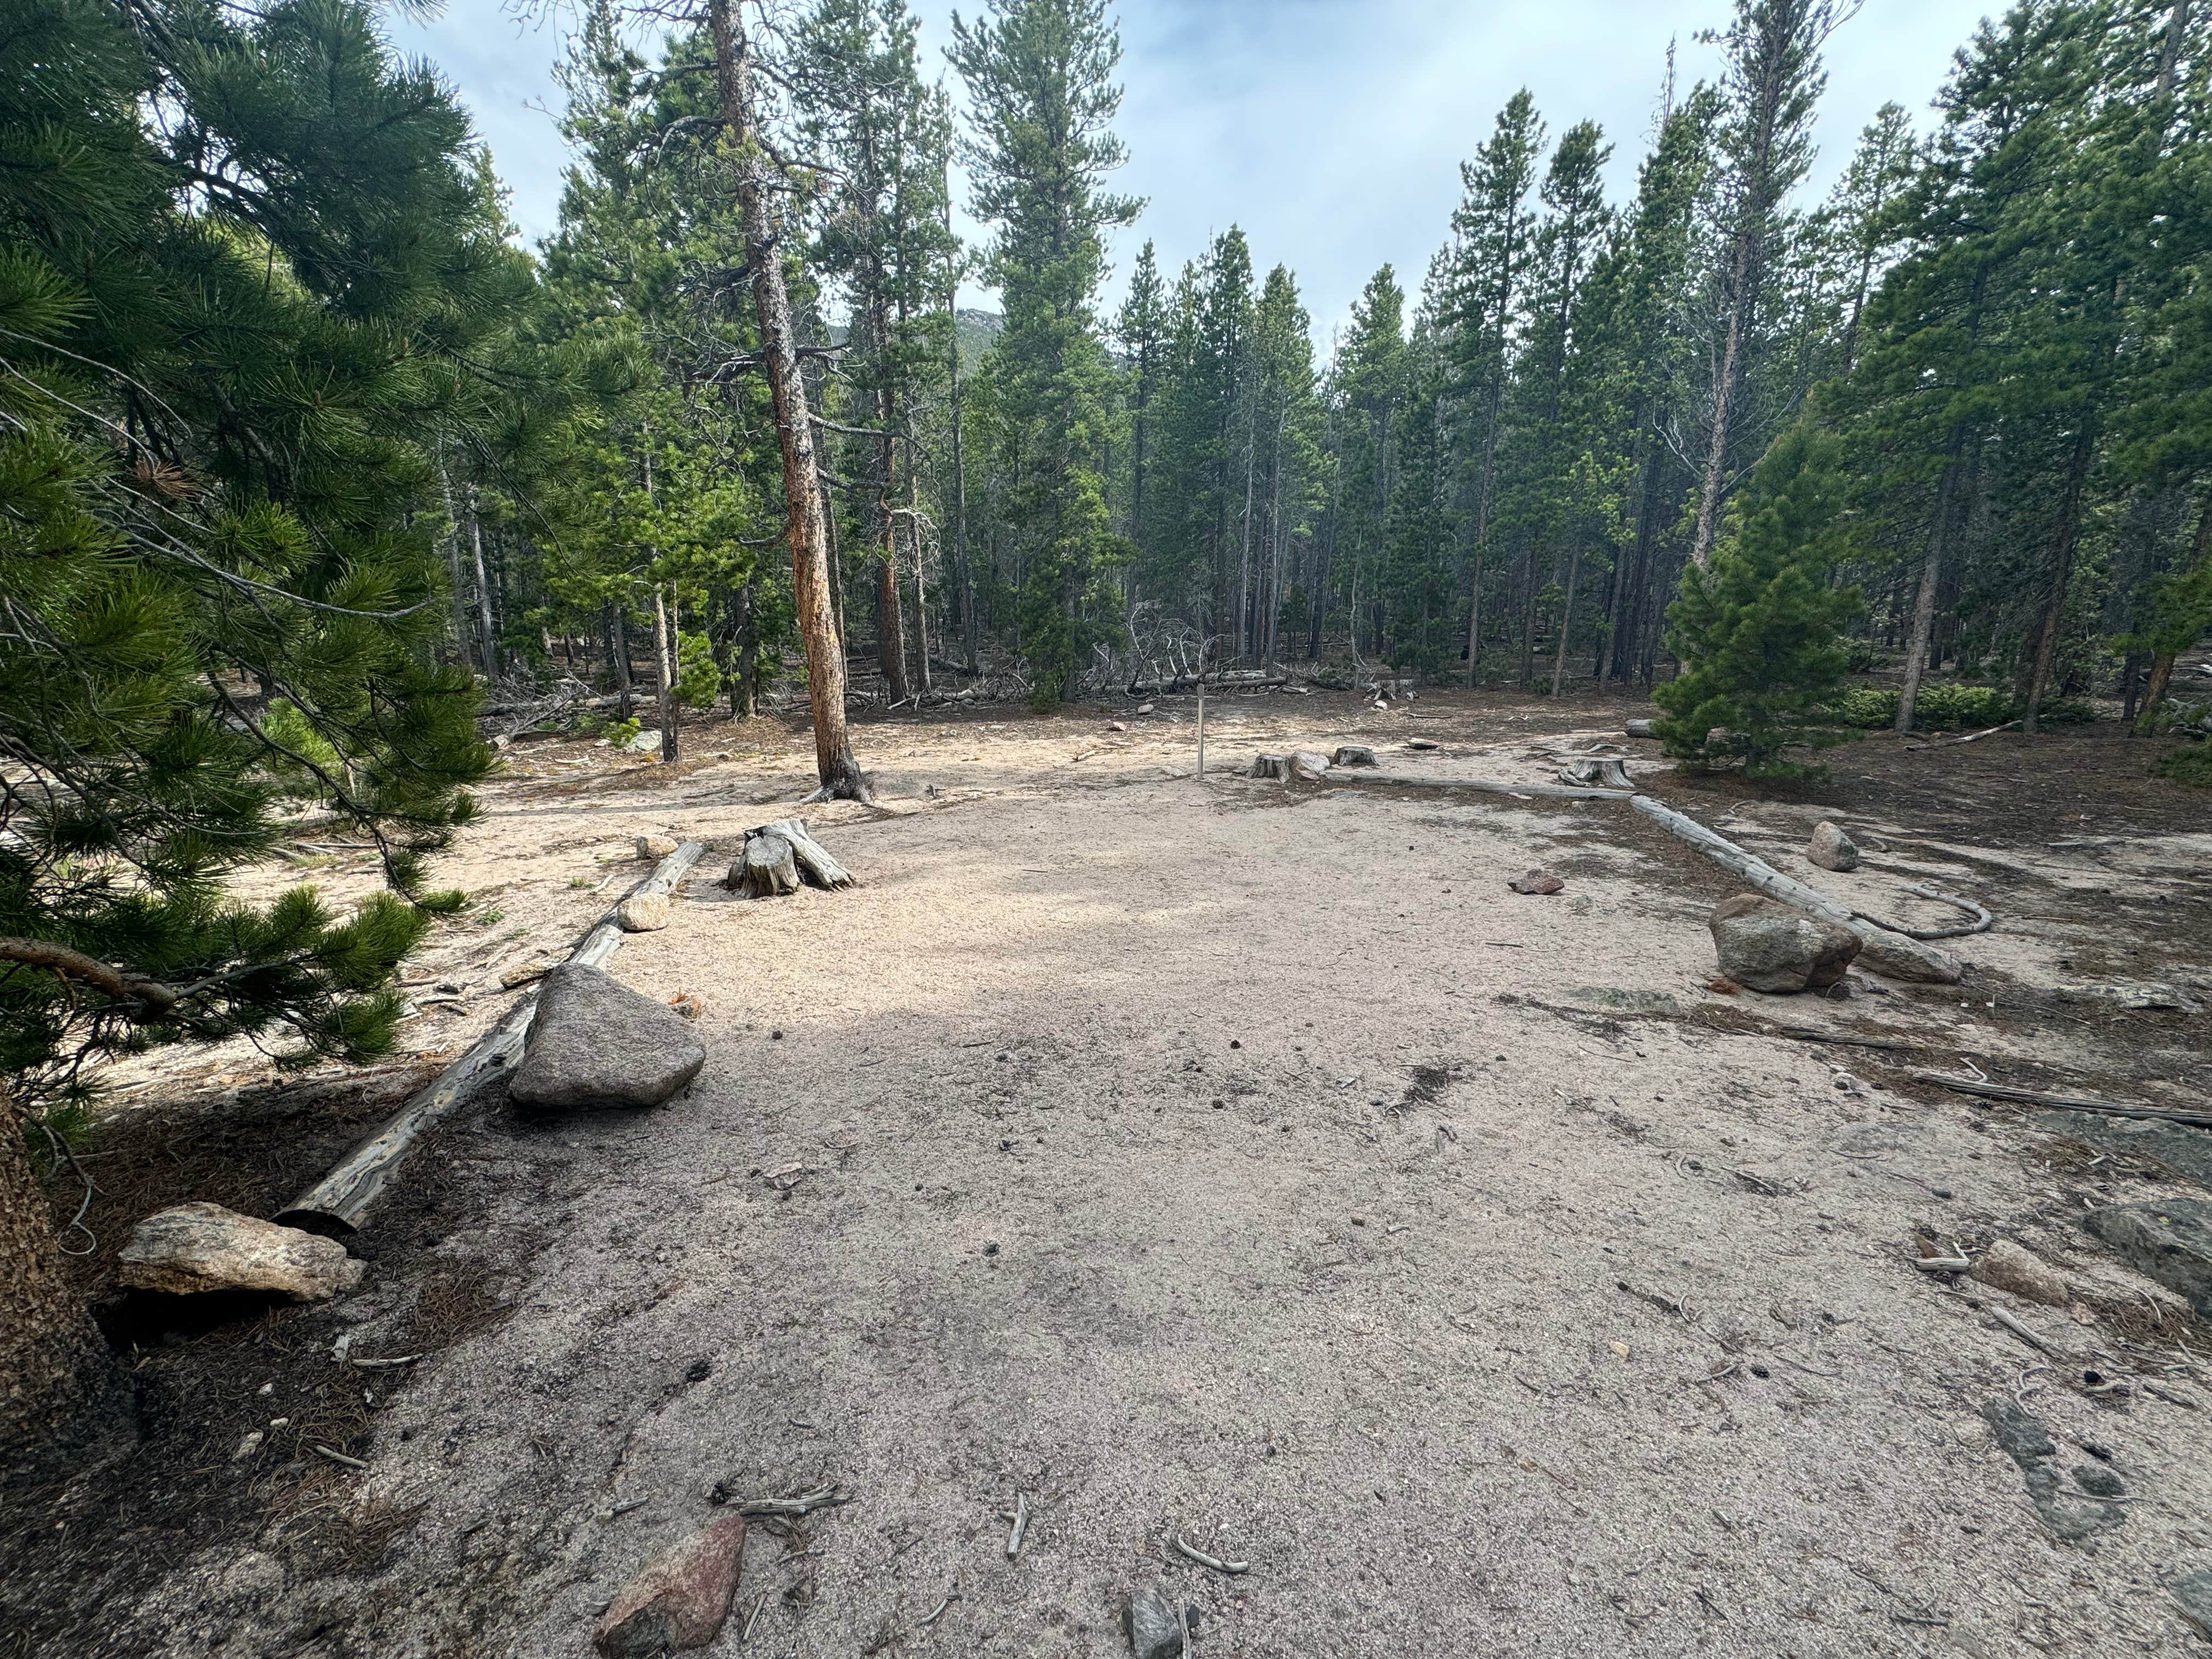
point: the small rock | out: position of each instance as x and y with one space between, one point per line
1419 744
655 846
1914 960
647 741
2099 1481
643 913
2170 1241
2007 1266
1155 1625
1536 881
191 1248
1309 766
1831 848
594 1042
1115 725
523 972
1145 707
689 1004
2194 1593
678 1599
1768 946
248 1446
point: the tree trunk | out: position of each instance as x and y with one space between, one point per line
1923 604
890 618
2065 534
664 661
2161 663
1566 617
809 569
618 643
743 631
484 592
59 1386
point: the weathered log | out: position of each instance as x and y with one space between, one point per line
1605 773
335 1205
1482 786
768 868
1276 767
1886 952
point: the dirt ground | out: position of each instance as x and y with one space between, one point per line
1205 1158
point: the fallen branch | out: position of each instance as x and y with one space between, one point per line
1188 1552
1482 786
340 1457
2025 1335
1980 924
335 1205
822 1498
2061 1102
1021 1525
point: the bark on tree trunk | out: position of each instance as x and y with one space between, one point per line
59 1386
1923 604
484 592
890 616
809 569
742 695
1566 618
664 660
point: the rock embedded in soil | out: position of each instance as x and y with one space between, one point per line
2006 1266
191 1247
1155 1624
1536 881
594 1042
655 846
1768 946
2194 1593
678 1599
1914 960
2169 1240
2070 1516
643 913
1309 765
1831 848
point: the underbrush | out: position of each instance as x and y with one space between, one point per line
1948 706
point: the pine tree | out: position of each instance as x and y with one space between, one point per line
1758 628
1040 78
220 589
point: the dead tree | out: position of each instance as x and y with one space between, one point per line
750 166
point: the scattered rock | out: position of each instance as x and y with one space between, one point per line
1421 744
248 1446
678 1599
2069 1515
1155 1624
1352 754
1895 956
2194 1593
1656 1003
1115 725
594 1042
1768 946
191 1248
1536 881
523 972
1309 766
2006 1266
655 846
2099 1481
643 913
1145 707
2170 1241
2135 993
647 741
1831 848
689 1004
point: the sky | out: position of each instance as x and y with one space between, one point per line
1330 130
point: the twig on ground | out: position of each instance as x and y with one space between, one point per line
746 1633
2171 1396
938 1611
372 1364
2061 1103
821 1498
1189 1553
340 1457
2025 1335
1021 1525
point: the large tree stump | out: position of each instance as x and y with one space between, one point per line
1276 767
1352 754
768 868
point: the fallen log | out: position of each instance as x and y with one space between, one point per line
1883 950
334 1206
2052 1102
1482 786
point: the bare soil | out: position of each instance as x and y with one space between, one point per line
1216 1160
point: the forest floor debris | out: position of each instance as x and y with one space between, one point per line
1098 1017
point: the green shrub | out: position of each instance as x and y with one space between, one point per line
1943 706
698 677
623 734
2191 764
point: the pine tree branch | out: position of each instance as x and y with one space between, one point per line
158 999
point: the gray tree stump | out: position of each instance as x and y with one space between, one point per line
1276 767
1352 754
767 868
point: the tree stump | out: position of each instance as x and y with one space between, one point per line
1352 754
778 856
768 868
1604 773
1276 767
1642 728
